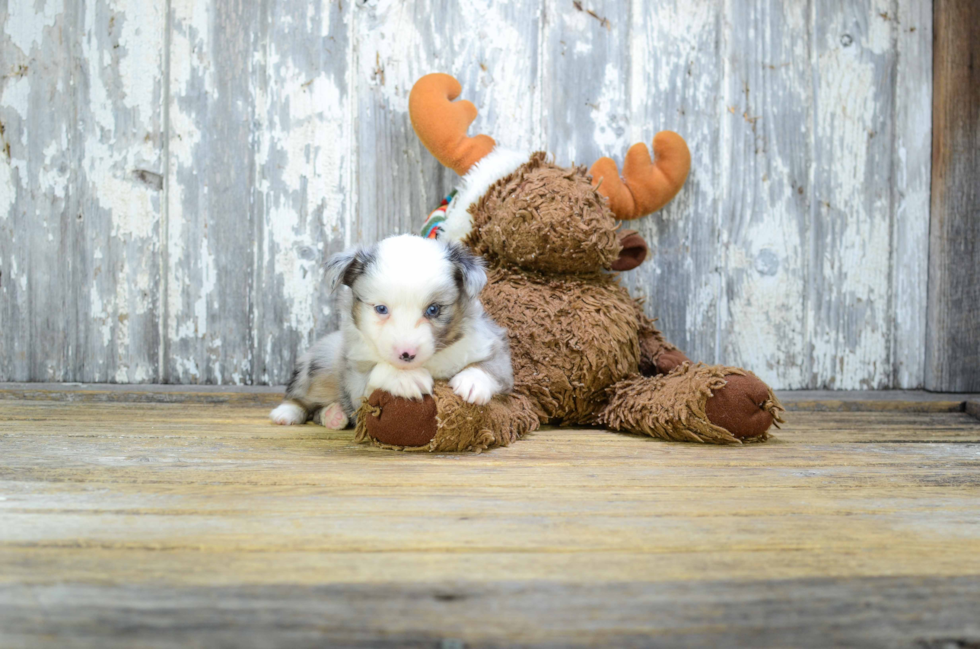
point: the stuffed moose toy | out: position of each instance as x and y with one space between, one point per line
584 353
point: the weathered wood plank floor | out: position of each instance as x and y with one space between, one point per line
200 524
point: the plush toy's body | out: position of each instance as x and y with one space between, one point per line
583 351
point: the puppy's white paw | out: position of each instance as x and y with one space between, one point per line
288 414
331 417
474 385
408 384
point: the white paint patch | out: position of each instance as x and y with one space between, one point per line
189 64
16 95
52 178
96 307
27 22
383 42
21 278
141 37
764 323
880 36
609 110
144 373
187 368
8 190
309 148
299 276
208 280
683 25
508 104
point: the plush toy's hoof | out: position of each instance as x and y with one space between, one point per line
675 406
394 421
744 407
443 421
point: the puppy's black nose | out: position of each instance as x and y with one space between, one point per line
407 357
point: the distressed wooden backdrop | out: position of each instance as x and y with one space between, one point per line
173 173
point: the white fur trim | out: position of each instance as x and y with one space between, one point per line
494 166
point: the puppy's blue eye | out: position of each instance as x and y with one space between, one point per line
381 309
433 310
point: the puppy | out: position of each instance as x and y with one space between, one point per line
410 314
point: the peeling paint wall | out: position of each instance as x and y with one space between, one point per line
173 174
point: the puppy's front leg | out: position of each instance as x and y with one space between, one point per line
475 385
408 384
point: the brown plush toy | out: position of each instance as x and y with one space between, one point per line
583 351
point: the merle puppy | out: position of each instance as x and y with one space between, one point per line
411 314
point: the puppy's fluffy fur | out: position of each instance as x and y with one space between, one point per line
411 314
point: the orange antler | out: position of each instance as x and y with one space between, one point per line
646 185
441 123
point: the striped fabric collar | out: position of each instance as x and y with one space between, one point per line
433 225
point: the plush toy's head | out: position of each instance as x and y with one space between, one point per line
545 218
525 211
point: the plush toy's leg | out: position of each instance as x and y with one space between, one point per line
443 422
694 403
738 403
657 356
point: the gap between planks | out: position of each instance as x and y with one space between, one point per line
793 400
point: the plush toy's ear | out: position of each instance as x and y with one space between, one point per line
471 275
646 185
441 123
343 268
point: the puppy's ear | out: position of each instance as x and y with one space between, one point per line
343 268
469 270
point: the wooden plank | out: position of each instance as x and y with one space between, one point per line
761 252
119 503
491 49
973 408
82 120
87 403
851 203
911 173
676 81
197 427
872 612
115 268
166 404
953 340
125 393
304 164
853 522
649 536
213 479
792 400
39 319
859 405
154 566
211 217
869 396
208 421
870 400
